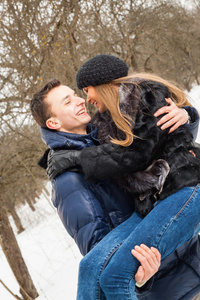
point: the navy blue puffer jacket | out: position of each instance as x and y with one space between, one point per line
88 210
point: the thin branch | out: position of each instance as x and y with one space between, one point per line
15 296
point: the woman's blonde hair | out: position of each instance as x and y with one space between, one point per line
110 96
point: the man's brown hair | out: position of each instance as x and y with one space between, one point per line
40 110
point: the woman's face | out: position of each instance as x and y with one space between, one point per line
94 99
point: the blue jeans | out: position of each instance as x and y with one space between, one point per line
108 270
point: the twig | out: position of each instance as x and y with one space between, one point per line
15 296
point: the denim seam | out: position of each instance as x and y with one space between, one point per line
111 253
191 197
128 289
197 227
174 218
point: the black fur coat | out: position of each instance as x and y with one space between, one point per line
150 146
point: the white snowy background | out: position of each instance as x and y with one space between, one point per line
50 253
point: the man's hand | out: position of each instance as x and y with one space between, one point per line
174 116
60 161
150 259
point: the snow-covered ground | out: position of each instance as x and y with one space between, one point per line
50 253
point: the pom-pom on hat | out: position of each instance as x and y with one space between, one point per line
101 69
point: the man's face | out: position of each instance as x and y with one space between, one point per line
68 111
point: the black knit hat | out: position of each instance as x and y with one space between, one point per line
101 69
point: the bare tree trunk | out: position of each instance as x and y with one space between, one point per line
30 203
11 209
14 257
46 191
17 221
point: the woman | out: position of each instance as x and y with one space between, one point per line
165 231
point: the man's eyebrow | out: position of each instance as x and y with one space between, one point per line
66 97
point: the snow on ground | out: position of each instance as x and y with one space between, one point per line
49 252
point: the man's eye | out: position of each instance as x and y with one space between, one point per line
67 102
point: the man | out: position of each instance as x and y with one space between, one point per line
89 210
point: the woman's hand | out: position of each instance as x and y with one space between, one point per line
150 259
174 117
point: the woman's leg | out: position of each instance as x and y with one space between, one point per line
92 265
171 223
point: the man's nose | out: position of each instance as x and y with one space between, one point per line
80 101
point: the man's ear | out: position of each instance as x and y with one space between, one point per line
53 123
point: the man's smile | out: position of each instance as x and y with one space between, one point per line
81 111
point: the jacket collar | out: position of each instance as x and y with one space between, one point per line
58 139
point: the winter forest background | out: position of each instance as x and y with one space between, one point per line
42 40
